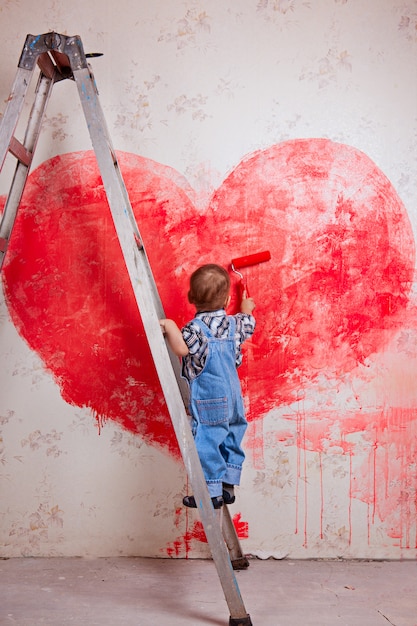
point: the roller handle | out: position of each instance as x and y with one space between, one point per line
242 287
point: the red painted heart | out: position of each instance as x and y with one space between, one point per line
334 291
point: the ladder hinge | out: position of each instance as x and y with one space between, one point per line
36 45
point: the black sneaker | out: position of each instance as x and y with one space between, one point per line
228 498
191 503
228 493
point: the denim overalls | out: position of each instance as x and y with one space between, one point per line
216 406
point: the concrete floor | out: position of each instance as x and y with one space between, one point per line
165 592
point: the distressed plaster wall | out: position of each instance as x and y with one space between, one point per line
287 125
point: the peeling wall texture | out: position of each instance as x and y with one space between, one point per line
281 125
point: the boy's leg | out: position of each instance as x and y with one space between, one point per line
207 440
232 451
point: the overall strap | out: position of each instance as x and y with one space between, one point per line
203 327
207 332
232 326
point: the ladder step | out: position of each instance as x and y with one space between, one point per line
62 63
20 152
46 66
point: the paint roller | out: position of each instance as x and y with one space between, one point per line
245 261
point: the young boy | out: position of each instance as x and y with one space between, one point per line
210 347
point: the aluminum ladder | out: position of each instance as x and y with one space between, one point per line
59 57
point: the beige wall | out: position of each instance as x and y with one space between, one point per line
198 86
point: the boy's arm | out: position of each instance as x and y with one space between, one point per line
174 337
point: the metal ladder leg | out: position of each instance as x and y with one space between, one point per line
238 559
143 286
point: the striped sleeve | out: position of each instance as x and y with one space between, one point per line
245 325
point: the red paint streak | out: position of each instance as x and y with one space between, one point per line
242 528
321 495
181 547
183 544
393 490
197 531
374 479
297 482
386 480
350 499
255 442
174 549
301 475
305 487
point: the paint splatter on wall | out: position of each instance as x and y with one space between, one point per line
334 294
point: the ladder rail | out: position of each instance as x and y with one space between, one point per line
13 110
23 155
88 93
143 283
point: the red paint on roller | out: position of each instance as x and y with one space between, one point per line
251 259
245 261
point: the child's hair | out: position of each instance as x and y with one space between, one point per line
209 287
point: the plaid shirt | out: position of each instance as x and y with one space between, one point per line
218 323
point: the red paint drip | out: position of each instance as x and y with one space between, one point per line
350 499
195 533
387 479
242 528
321 495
